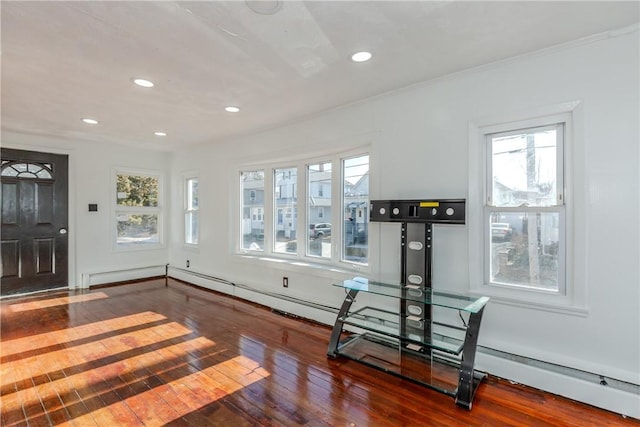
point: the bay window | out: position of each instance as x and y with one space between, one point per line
330 226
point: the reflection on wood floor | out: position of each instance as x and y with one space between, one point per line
146 354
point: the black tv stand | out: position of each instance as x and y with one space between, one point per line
410 342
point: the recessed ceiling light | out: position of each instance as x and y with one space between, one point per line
361 56
160 133
143 82
231 109
90 121
264 7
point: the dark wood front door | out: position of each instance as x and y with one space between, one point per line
34 221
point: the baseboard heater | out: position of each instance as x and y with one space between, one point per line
579 374
332 310
122 275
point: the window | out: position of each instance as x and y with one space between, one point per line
252 191
137 210
191 218
524 212
355 203
285 206
319 197
330 226
27 170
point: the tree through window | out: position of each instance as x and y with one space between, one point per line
137 209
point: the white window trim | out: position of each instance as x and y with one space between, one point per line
339 193
185 197
115 209
300 258
334 232
559 207
573 301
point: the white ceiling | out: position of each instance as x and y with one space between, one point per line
62 61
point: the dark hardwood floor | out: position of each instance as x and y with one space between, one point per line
150 354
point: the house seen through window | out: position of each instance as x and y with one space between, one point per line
252 200
313 228
525 209
285 205
319 181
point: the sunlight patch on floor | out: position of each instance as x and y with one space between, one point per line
175 380
111 326
36 382
52 302
91 353
192 392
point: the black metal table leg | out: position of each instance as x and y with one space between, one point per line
337 327
467 382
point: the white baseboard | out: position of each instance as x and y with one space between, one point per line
93 278
589 392
201 280
282 303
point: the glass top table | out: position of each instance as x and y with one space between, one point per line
470 304
412 345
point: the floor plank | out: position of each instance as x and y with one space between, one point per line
153 353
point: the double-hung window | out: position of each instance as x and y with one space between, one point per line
285 202
524 211
191 217
319 182
355 208
137 210
252 206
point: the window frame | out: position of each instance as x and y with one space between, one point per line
117 209
189 210
300 256
574 300
342 251
260 211
558 207
321 215
289 211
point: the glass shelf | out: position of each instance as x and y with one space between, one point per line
410 292
382 353
386 323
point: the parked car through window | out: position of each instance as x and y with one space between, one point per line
320 230
501 231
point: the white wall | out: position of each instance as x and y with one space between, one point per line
418 141
92 259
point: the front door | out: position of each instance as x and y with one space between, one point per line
34 221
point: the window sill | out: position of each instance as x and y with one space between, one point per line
137 247
323 269
523 299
